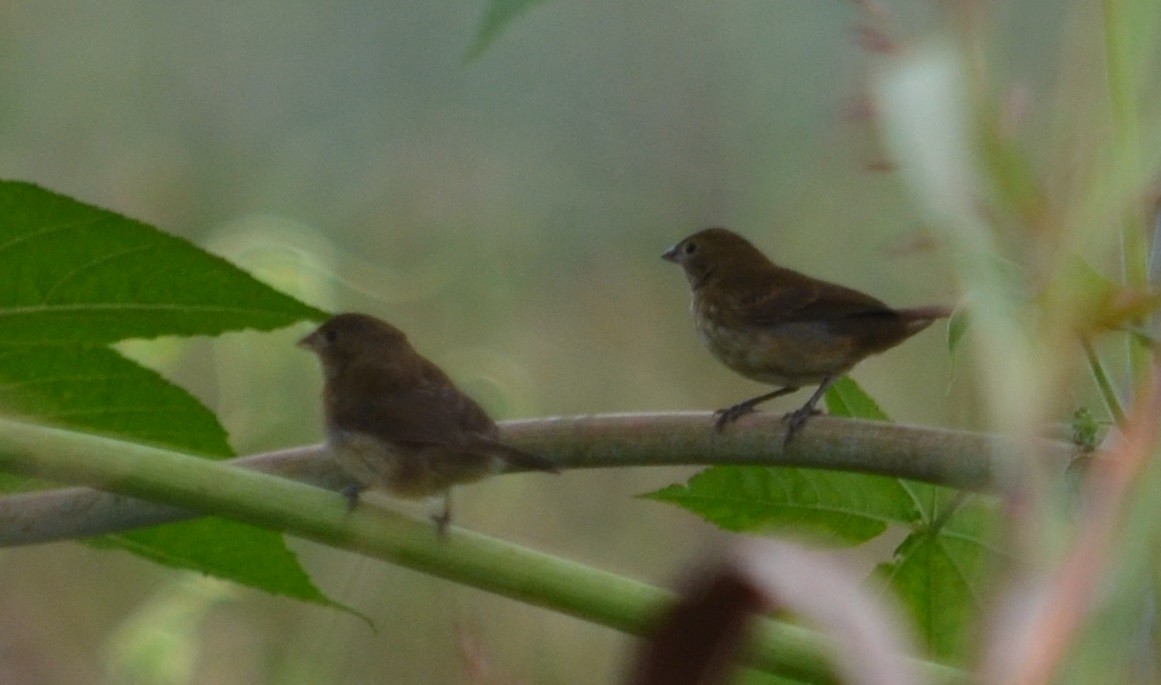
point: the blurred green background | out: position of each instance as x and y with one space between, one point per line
507 212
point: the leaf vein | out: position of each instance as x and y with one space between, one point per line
92 265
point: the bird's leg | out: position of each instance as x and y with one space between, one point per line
734 412
443 518
796 419
351 494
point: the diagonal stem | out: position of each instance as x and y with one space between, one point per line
470 558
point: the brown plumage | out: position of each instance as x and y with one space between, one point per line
780 327
396 422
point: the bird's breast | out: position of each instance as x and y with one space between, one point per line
788 354
406 470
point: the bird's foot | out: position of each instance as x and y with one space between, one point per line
730 414
441 520
351 494
733 413
795 420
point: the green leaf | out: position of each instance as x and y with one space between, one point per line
499 14
239 552
97 390
957 327
845 398
838 508
941 580
74 278
746 676
938 577
75 274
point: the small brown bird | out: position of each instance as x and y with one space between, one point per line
396 422
778 326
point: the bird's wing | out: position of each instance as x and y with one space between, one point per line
430 410
426 410
788 301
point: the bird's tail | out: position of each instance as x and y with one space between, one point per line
931 313
918 318
521 460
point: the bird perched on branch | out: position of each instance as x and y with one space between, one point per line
396 422
780 327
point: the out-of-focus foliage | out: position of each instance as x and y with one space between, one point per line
76 277
938 569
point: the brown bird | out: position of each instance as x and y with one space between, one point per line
780 327
396 422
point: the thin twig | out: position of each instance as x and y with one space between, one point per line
1104 383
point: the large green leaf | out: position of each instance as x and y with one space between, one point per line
845 398
839 508
936 571
71 273
941 578
242 553
74 278
97 390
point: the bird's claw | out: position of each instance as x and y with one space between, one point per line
441 520
795 420
730 414
351 494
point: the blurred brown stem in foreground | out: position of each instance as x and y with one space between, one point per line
1051 622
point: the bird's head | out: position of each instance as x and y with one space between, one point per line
345 337
714 252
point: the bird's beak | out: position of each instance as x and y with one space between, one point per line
307 343
670 255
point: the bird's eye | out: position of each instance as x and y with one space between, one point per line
330 335
689 248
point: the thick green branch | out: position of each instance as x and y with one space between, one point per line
310 512
955 458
